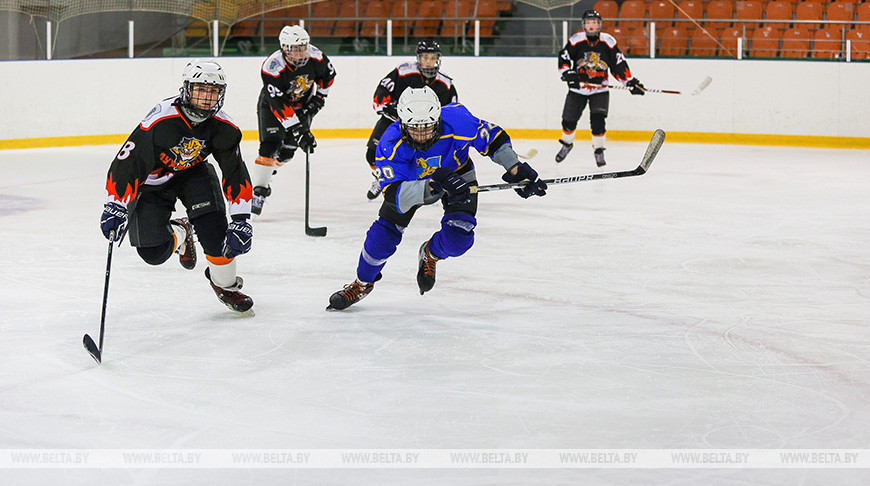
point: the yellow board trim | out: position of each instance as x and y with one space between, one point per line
517 133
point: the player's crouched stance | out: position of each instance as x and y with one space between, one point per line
423 158
163 161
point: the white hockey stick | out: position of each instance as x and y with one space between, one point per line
706 82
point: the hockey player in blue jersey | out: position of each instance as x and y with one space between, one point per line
421 159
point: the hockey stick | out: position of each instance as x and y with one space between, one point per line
95 351
321 231
652 150
701 87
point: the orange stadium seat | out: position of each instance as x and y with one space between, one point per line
636 42
608 9
841 10
428 18
826 44
778 10
728 38
796 42
371 10
764 42
320 10
487 10
860 43
346 26
456 9
862 12
662 13
749 10
719 10
672 41
809 10
694 9
702 45
632 9
400 25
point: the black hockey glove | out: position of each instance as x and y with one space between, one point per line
303 137
391 111
314 105
535 187
572 78
114 219
636 87
238 240
457 188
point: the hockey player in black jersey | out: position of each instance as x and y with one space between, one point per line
424 72
296 80
162 161
584 63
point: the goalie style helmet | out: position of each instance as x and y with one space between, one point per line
427 51
592 23
294 43
202 77
420 117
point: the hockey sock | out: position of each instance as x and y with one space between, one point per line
455 237
568 137
381 242
261 174
598 141
222 271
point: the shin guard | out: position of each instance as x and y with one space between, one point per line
455 237
381 242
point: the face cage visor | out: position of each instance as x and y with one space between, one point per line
429 72
296 55
426 135
190 103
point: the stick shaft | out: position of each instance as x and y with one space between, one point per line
106 288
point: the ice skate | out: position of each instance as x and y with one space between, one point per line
231 297
375 190
563 152
186 249
259 199
599 157
351 294
426 269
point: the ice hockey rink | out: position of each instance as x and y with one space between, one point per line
719 302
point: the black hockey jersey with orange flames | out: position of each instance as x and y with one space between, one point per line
592 60
286 88
408 75
165 143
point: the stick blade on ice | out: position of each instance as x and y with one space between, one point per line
652 150
92 349
701 87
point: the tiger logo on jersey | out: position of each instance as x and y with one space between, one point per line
300 86
592 62
185 154
427 166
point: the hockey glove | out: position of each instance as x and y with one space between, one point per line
114 219
535 187
314 105
572 78
457 188
303 137
391 111
636 87
238 240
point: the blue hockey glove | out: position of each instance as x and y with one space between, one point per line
303 137
114 219
457 188
636 87
238 240
572 78
535 187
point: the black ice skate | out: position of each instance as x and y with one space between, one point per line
259 199
374 191
599 157
563 152
187 249
426 269
351 294
230 296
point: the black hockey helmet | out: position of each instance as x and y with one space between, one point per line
429 46
592 15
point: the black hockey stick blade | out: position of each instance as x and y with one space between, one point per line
92 348
321 231
652 150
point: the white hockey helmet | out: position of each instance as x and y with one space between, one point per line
206 72
420 116
294 35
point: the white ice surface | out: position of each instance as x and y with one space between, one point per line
719 301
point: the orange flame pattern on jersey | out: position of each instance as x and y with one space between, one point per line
287 112
130 192
246 192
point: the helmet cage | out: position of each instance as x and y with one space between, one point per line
206 73
428 47
409 130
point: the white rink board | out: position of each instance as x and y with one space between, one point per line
99 97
